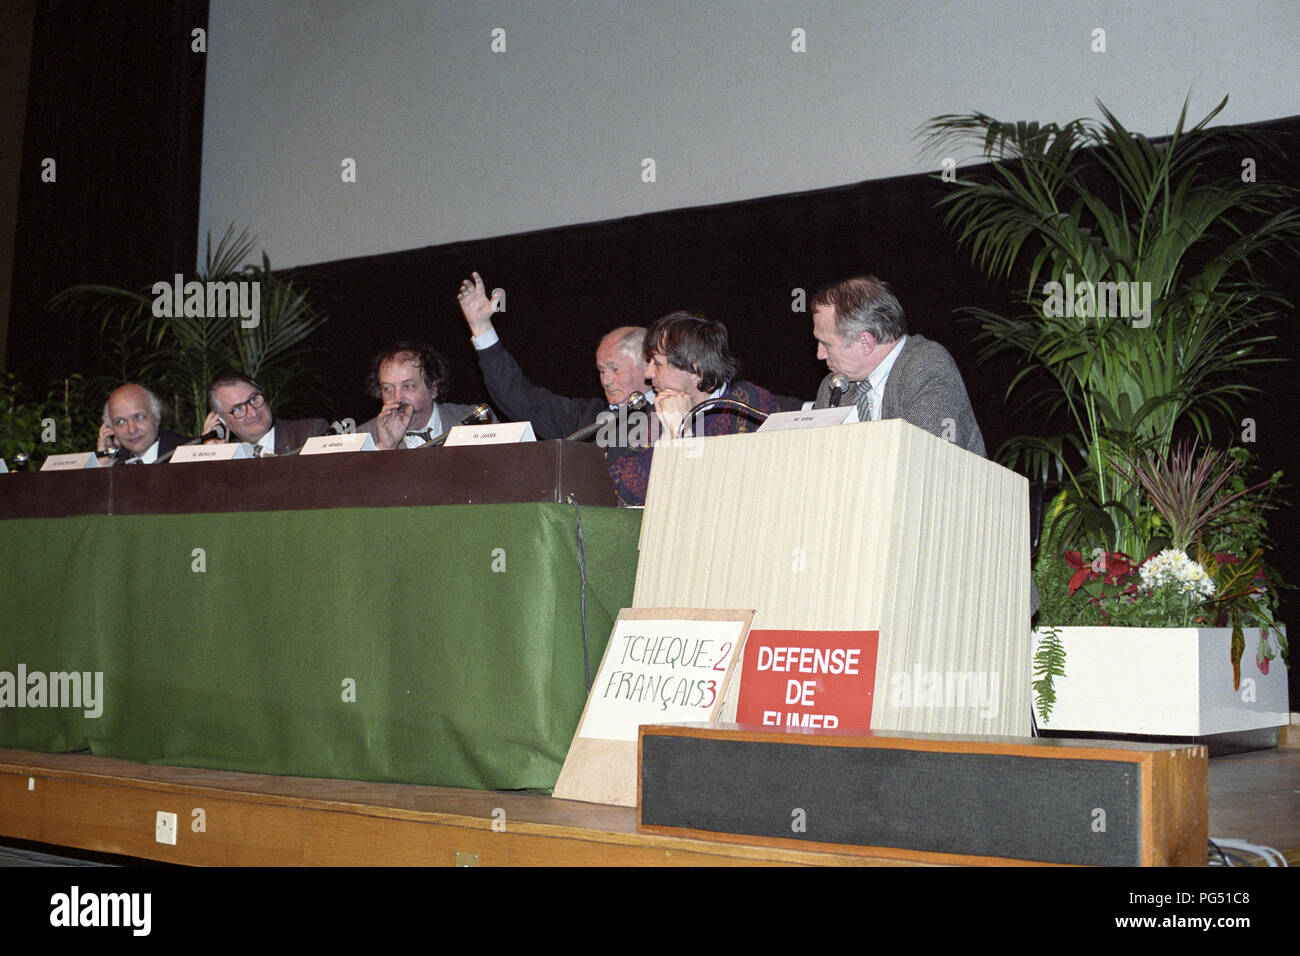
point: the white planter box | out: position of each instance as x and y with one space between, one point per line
1164 681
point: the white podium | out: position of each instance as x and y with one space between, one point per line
871 526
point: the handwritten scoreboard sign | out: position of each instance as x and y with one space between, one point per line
660 672
822 680
661 666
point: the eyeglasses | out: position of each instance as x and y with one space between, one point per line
256 400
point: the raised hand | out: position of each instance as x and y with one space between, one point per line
475 304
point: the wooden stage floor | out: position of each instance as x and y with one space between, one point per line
243 819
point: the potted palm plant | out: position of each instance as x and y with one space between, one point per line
1132 262
180 353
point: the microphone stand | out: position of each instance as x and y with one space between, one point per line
710 403
635 402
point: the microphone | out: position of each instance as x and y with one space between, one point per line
481 413
636 402
18 460
219 432
838 384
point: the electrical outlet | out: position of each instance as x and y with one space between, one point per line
165 828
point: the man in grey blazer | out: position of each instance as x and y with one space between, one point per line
409 378
862 336
237 402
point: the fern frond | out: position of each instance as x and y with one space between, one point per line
1049 663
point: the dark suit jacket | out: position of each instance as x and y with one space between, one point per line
169 440
925 388
553 416
294 433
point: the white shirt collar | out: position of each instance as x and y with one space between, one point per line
434 425
881 372
150 454
267 442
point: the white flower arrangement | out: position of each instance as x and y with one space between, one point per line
1173 567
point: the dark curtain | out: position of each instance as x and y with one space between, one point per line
750 264
116 100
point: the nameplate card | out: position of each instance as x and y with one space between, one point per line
74 461
228 451
501 434
814 418
329 444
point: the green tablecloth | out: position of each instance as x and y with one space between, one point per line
459 628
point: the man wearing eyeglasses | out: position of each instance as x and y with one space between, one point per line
237 401
132 432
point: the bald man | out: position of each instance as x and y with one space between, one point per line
132 432
619 363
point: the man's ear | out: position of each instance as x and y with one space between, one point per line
866 342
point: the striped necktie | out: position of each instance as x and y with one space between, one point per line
860 394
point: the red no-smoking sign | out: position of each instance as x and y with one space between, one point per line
815 679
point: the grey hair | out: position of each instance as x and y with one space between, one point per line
633 343
863 304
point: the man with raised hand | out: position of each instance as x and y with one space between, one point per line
238 403
862 337
619 363
131 432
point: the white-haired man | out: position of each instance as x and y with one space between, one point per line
132 432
